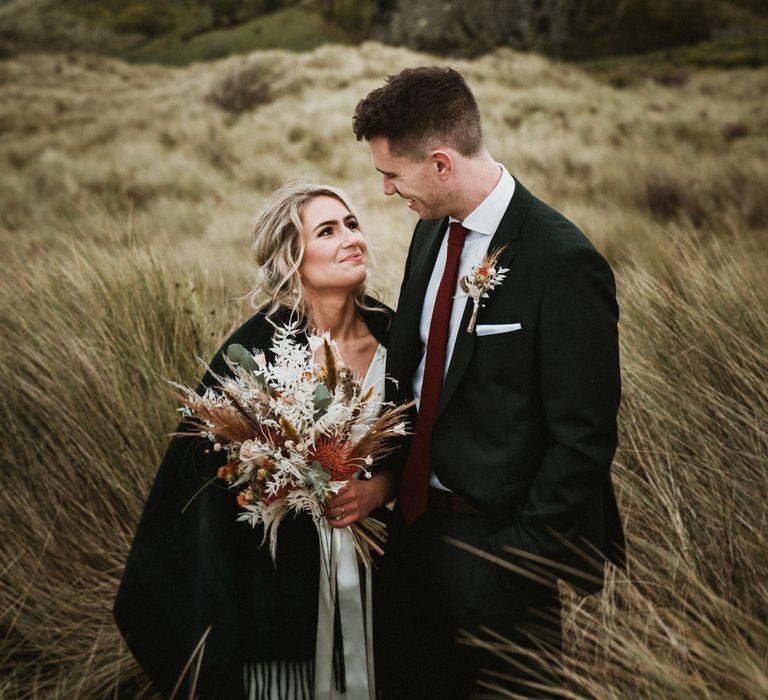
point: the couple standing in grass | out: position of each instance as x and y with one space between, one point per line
505 336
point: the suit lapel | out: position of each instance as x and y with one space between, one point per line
424 261
506 234
404 352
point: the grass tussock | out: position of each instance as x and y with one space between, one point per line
87 345
689 617
125 197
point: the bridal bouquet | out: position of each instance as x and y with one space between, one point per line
293 432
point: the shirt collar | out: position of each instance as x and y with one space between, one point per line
486 216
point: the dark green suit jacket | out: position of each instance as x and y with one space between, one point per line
526 426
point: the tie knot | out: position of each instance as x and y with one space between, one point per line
456 234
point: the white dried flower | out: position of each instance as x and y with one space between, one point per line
251 450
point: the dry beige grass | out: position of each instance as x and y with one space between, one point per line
125 195
689 618
85 134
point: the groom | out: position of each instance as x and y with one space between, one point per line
516 426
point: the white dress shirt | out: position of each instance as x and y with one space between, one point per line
481 223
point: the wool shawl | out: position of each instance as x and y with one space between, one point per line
194 569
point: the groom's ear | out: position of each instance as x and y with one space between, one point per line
442 162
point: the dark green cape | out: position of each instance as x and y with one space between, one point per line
193 566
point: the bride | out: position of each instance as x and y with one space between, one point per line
201 605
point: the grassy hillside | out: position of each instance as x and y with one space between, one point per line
291 28
675 65
125 198
725 33
176 33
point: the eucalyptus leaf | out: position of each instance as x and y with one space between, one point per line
319 478
322 397
238 354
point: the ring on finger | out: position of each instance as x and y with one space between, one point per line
339 517
342 512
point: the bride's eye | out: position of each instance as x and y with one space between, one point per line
352 225
327 231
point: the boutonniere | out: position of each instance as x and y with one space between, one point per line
482 279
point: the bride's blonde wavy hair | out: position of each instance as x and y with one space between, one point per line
278 248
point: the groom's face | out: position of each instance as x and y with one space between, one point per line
416 181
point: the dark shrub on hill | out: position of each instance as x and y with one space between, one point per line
605 28
225 11
149 19
645 26
244 88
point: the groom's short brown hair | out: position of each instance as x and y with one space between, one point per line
420 108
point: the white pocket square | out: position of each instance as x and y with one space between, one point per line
492 329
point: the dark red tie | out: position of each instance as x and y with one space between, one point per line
414 485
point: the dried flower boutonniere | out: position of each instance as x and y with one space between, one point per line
480 280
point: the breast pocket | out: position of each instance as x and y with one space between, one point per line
503 354
488 329
502 335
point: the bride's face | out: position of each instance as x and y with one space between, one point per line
335 251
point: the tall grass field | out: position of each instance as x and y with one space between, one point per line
125 199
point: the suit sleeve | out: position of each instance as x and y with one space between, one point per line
580 391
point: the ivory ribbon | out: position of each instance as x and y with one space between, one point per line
340 584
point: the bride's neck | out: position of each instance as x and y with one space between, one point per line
336 314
